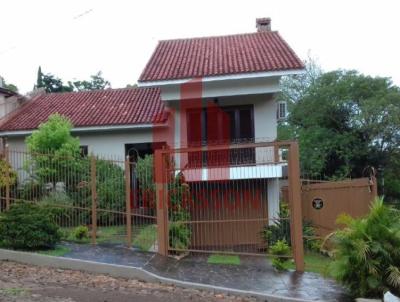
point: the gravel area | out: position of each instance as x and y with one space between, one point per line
25 283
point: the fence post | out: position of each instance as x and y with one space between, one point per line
296 224
7 176
128 202
94 197
162 216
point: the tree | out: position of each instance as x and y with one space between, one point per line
345 122
96 82
39 80
8 86
54 151
50 83
295 87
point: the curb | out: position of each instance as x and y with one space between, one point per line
129 272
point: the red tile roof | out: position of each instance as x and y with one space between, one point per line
91 108
212 56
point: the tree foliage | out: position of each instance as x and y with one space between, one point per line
52 147
51 83
53 136
96 82
345 122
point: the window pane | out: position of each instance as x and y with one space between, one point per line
194 127
246 125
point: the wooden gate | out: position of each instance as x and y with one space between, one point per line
209 201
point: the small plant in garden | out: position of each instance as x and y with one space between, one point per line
280 230
179 235
81 232
281 252
367 254
7 175
179 232
29 227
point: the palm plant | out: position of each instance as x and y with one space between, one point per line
367 252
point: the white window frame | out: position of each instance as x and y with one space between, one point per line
279 114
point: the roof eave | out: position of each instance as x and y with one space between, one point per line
239 76
89 129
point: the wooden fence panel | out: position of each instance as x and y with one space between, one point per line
323 202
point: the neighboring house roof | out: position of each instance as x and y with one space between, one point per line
7 92
223 55
109 107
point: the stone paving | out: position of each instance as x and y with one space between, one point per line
255 274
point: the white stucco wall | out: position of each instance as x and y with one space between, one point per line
236 87
103 144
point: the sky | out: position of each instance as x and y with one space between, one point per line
74 39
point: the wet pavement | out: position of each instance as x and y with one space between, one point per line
254 274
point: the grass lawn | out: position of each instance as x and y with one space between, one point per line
224 259
315 263
58 251
143 237
146 238
111 234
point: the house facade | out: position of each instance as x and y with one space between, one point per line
193 92
9 101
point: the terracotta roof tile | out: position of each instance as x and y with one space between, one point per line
223 55
91 108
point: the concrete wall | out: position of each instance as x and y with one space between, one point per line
8 105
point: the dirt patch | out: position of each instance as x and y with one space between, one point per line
26 283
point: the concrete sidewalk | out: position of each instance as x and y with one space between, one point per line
255 275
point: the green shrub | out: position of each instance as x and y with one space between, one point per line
80 232
179 235
280 230
31 190
29 227
179 232
110 187
60 206
281 252
367 253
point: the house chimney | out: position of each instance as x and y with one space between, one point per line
263 24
